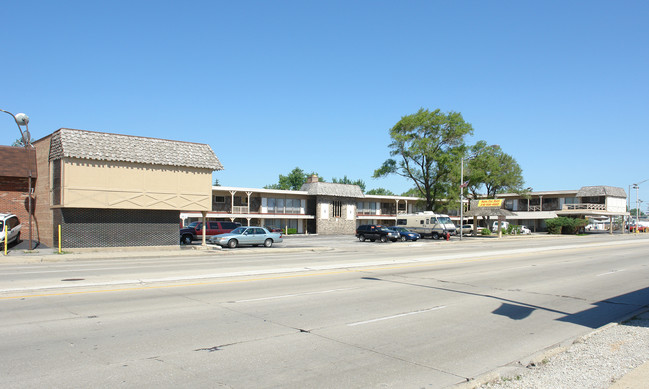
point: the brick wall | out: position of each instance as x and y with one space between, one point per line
13 197
82 227
42 224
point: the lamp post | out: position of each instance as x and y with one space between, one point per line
22 120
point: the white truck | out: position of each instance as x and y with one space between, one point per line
427 224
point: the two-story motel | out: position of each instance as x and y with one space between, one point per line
329 208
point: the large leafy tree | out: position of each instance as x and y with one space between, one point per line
426 147
380 192
293 181
490 167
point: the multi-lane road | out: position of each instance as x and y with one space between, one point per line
355 315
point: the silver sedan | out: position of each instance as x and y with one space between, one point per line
247 236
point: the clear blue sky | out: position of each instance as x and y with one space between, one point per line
563 86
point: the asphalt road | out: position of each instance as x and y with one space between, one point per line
427 314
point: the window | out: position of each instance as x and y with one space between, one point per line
56 182
337 209
219 199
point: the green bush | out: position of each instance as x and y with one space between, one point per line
485 231
565 225
291 231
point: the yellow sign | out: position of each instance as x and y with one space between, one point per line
490 203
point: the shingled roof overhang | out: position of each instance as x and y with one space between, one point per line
332 189
594 191
481 212
100 146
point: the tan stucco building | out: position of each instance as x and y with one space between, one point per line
108 190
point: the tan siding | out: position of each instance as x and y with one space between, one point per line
121 185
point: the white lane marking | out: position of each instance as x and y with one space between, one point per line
292 295
611 272
336 266
395 316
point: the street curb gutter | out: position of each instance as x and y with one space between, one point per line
520 367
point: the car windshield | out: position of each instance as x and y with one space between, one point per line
444 220
238 231
385 229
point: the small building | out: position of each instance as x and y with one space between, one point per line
532 209
18 167
111 190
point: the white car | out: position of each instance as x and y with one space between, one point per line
525 230
10 227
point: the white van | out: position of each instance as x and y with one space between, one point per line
427 224
503 226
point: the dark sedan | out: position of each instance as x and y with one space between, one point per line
406 234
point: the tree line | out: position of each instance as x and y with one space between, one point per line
429 148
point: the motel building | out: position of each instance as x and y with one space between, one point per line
328 208
317 208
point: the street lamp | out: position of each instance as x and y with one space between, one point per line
22 120
637 202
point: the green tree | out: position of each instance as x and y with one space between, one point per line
380 192
494 169
427 146
293 181
633 213
346 180
216 182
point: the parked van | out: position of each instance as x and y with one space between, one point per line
427 224
503 226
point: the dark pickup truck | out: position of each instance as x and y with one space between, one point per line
194 231
375 232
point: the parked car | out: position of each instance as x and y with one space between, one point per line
405 234
247 236
525 230
375 232
640 228
194 231
503 226
10 226
273 229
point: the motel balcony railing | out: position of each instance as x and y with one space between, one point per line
585 206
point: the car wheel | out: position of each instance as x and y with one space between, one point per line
403 238
186 239
361 238
384 239
268 242
232 243
435 236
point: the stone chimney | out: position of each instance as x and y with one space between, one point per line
312 178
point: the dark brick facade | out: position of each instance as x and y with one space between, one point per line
116 227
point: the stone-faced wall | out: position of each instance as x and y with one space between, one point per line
328 223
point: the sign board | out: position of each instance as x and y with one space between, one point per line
490 203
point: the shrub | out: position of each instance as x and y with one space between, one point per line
565 225
291 231
485 231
